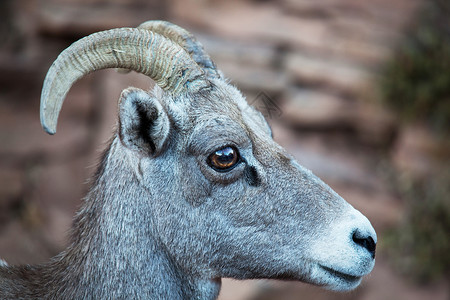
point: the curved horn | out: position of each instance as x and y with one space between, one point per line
135 49
186 40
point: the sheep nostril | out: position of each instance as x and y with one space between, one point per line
365 241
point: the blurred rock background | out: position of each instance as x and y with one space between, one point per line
364 91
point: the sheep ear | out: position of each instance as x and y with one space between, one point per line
143 122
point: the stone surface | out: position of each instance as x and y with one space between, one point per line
11 187
308 70
72 20
320 110
239 289
11 192
348 30
29 141
311 108
418 152
20 243
241 52
254 78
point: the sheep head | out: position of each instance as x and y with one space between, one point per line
225 200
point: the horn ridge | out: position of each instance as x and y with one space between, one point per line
139 50
187 41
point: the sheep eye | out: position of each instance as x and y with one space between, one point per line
224 159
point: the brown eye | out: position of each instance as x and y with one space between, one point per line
224 159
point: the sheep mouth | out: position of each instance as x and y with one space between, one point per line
340 275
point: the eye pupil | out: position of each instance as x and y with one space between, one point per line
223 159
225 155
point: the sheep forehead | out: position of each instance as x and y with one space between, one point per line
216 116
188 109
247 116
224 115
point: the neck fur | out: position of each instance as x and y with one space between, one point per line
115 252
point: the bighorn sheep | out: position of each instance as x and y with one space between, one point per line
192 188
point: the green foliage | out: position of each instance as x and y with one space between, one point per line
416 83
420 247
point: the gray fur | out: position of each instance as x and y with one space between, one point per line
159 223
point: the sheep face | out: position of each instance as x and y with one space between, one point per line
227 201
